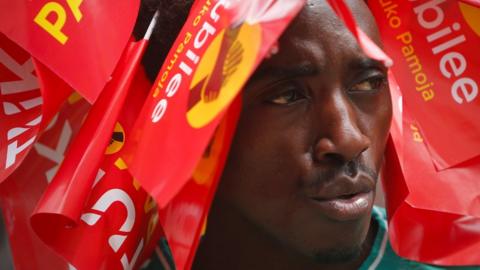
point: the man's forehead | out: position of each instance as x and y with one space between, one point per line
309 45
317 14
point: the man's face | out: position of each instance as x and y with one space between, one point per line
303 165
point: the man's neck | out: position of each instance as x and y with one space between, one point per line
233 242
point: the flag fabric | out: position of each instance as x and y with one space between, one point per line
30 95
184 219
431 39
117 225
187 100
66 44
432 214
21 191
21 102
211 60
66 194
433 159
65 198
472 2
432 43
80 41
60 218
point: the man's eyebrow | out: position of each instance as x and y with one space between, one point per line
298 70
366 63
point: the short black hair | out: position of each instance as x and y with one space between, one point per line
172 17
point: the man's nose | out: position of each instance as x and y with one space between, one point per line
340 137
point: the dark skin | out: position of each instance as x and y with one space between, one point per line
313 127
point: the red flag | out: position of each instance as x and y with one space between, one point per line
59 211
71 186
433 44
81 41
188 102
54 92
439 229
21 106
117 225
192 90
20 192
30 95
184 218
433 229
472 2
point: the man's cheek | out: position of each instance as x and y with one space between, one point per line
374 155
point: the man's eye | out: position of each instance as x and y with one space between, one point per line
287 97
370 84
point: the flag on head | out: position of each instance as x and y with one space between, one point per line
435 132
187 102
432 43
214 55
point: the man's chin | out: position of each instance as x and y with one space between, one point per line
348 250
338 255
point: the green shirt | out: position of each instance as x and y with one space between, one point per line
381 256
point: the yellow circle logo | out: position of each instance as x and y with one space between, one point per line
223 69
207 166
117 141
472 16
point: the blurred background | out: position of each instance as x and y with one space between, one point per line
5 257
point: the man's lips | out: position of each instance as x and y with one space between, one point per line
345 208
345 198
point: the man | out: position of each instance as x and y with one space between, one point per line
299 184
298 188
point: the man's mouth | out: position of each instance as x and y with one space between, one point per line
345 199
346 207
